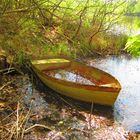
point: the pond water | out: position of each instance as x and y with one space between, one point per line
69 75
127 71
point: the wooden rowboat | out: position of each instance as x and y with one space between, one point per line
76 80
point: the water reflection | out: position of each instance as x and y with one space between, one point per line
70 76
127 105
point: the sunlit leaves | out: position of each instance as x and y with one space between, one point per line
133 45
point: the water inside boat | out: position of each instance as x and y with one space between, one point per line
70 76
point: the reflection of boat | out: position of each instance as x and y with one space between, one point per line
76 80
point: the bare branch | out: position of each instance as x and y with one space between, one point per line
104 15
80 19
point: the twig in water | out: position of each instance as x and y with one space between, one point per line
17 120
91 111
38 125
26 120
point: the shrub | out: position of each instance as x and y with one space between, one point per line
133 45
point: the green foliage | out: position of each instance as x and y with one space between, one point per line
37 28
133 45
134 6
121 41
58 49
20 57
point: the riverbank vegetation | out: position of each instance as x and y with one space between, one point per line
40 28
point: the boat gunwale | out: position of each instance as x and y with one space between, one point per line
118 87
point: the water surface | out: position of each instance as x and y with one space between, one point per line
70 76
127 105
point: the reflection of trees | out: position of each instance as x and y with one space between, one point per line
70 76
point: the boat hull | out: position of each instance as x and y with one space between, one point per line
101 94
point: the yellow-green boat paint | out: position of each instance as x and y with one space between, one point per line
104 91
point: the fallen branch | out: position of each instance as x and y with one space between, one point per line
7 69
38 125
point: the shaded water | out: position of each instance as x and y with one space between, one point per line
127 105
70 76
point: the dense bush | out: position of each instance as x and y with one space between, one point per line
59 27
